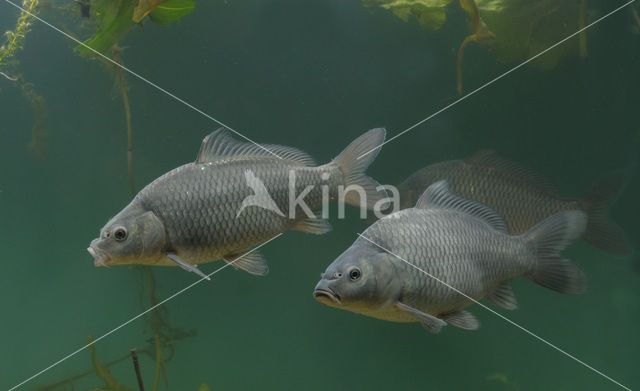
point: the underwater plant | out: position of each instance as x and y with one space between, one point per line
503 378
164 339
15 39
513 30
14 42
114 19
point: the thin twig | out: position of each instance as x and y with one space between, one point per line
136 366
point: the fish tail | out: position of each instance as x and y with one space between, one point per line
602 232
353 162
548 239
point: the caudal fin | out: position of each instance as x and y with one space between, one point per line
353 162
602 232
549 238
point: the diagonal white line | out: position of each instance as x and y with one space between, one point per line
141 314
497 78
497 314
140 77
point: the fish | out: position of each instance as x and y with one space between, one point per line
236 195
428 263
522 196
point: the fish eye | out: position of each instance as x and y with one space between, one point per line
120 234
354 274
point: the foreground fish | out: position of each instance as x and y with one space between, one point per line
233 197
521 196
462 243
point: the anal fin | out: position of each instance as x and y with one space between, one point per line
250 261
503 296
186 266
463 319
313 226
429 322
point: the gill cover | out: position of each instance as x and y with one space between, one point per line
145 238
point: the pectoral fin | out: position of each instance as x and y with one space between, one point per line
186 266
429 322
252 262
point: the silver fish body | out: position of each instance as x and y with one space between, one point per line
199 204
430 262
520 195
235 196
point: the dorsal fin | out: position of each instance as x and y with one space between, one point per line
438 196
488 158
220 145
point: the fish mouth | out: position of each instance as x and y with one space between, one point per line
322 295
99 256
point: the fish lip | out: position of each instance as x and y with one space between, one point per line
99 256
319 292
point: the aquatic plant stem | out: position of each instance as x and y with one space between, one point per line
136 367
470 38
127 111
155 321
102 372
159 362
71 378
38 143
583 34
635 14
480 33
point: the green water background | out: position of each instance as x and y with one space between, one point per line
315 75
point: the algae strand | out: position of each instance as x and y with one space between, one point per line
122 86
102 372
38 143
156 325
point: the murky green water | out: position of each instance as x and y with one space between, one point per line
314 75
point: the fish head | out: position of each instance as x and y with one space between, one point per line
362 279
132 236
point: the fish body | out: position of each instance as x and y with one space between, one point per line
520 195
234 196
199 204
430 262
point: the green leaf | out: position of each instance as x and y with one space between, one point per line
114 21
203 387
171 10
429 13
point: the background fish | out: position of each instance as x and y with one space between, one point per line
462 243
521 196
206 210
